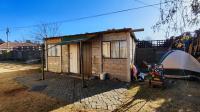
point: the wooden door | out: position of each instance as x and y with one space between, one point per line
74 58
87 58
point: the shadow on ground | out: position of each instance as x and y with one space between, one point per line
179 96
67 88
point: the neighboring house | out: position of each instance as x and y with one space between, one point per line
19 51
90 54
10 46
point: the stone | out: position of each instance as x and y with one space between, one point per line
110 107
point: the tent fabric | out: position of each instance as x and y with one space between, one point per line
180 60
165 55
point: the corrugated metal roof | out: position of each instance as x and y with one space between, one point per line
96 33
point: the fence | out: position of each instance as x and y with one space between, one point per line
154 44
151 51
21 53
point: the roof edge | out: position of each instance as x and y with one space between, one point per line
95 33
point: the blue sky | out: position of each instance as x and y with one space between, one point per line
14 13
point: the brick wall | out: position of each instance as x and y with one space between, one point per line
117 68
54 64
96 56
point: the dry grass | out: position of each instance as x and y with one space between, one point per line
181 96
16 98
6 67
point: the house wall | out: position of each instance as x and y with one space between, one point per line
96 56
116 68
65 58
53 63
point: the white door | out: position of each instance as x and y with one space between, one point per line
74 58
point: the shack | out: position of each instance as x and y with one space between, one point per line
91 54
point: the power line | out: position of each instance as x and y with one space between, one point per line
139 1
93 16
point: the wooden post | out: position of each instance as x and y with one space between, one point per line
81 65
61 56
101 54
68 57
46 55
43 55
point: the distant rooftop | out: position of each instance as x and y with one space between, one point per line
16 44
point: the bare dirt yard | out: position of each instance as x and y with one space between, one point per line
8 67
16 96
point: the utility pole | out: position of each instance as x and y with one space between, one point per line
7 32
43 56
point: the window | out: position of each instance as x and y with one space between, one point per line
53 50
115 49
123 49
106 49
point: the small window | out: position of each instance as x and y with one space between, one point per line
58 50
54 50
49 50
106 49
123 49
115 49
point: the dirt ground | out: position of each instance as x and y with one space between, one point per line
182 96
179 96
16 98
6 66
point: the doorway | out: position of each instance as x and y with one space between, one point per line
74 58
87 58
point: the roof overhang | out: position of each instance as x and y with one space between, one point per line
72 39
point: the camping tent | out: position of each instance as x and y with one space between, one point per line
180 60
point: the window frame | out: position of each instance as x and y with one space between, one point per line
111 48
56 52
120 48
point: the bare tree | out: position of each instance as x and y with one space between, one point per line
177 16
45 31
